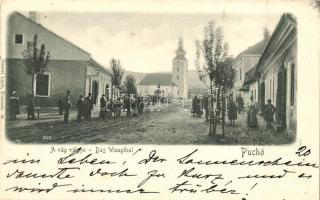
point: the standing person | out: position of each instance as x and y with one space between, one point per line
118 106
194 105
141 105
31 107
90 102
14 106
60 105
112 106
127 105
252 114
80 107
103 107
269 112
109 109
232 114
240 104
134 106
206 106
67 106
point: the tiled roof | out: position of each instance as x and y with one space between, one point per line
256 49
249 75
164 79
100 67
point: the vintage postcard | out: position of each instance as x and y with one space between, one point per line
160 100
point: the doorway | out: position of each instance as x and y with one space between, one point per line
281 103
95 91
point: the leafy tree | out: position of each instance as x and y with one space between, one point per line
216 65
35 59
130 86
117 73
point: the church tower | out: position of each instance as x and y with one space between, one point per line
180 71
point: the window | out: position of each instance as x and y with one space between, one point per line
240 74
177 69
18 38
292 78
177 77
42 85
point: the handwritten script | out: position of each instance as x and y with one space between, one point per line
145 172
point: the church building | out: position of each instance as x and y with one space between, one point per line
168 84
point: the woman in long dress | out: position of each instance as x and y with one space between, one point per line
252 114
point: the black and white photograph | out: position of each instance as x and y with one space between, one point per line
151 78
162 100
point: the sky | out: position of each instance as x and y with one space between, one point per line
146 42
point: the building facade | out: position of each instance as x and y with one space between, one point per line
157 83
171 85
277 73
68 68
244 62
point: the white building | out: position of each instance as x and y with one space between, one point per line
168 84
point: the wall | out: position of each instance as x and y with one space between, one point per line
59 48
63 75
93 74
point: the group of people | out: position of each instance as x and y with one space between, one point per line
132 105
109 108
84 107
268 113
202 103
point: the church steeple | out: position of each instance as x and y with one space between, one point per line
180 52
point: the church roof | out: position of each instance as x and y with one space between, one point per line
162 78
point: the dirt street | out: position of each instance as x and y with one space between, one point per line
157 127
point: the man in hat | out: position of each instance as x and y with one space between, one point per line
103 107
269 112
14 106
67 106
80 107
89 100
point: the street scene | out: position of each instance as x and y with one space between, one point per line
138 78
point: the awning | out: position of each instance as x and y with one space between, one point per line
244 88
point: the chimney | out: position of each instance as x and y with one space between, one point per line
34 16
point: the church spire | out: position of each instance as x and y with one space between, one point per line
180 51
